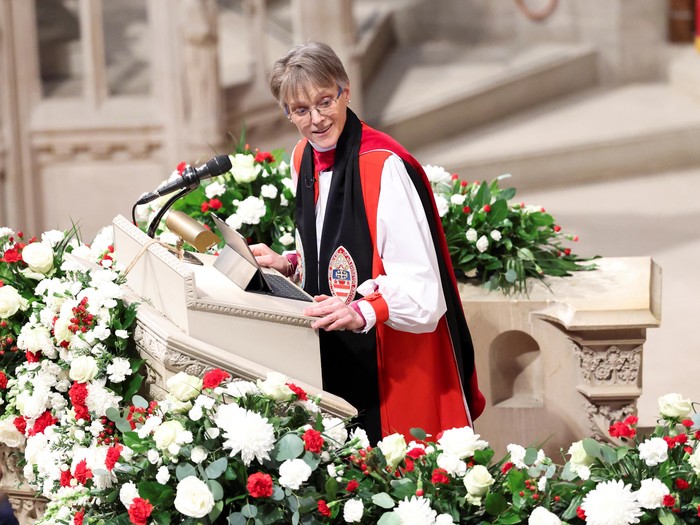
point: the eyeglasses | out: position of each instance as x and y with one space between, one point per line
302 113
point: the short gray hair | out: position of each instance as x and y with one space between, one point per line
313 64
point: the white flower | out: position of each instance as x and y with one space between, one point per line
118 369
461 442
495 235
517 455
653 451
246 432
11 301
6 232
167 434
83 369
39 257
472 235
651 493
243 168
353 511
183 386
360 435
9 435
452 464
478 480
163 475
611 503
52 237
196 413
153 457
444 519
541 516
335 432
239 388
215 189
198 454
234 221
100 398
415 511
286 239
437 175
458 199
193 498
694 461
269 191
672 405
275 387
482 244
442 205
294 472
35 339
578 454
251 210
121 334
394 449
127 493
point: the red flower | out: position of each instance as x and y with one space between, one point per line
409 465
313 441
78 518
264 156
214 378
670 441
12 255
681 438
620 430
581 513
113 454
205 207
32 357
487 208
557 228
66 477
181 168
82 472
78 394
43 421
688 423
3 380
668 501
416 452
567 251
20 424
682 484
352 485
440 476
140 511
259 485
455 176
631 420
323 508
300 393
215 204
463 183
507 466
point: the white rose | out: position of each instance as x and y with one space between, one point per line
496 235
11 301
482 244
198 454
243 168
478 480
458 199
39 257
193 498
394 449
674 406
9 435
442 205
167 434
353 510
694 461
293 473
83 369
578 454
541 516
461 442
269 191
275 387
183 386
472 236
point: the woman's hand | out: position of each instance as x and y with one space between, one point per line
270 259
334 314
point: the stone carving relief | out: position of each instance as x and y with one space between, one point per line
602 415
611 366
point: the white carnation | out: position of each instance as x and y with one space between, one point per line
251 210
442 205
269 191
293 473
651 493
482 244
653 451
215 189
353 510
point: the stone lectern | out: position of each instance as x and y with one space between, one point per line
192 317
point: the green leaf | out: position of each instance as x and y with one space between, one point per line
216 468
609 455
389 518
216 489
290 446
383 500
236 518
592 447
156 493
418 433
666 517
495 503
403 488
249 511
185 470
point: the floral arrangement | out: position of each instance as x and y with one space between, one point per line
256 198
495 240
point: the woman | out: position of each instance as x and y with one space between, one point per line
370 248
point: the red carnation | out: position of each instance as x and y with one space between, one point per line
631 420
78 393
139 511
313 441
440 476
323 508
113 454
43 421
205 207
259 485
66 478
12 255
507 466
214 378
82 472
409 465
32 357
264 156
620 430
300 392
78 518
682 484
416 452
581 513
20 424
215 204
352 485
3 380
688 423
668 501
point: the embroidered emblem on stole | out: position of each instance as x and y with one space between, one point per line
342 275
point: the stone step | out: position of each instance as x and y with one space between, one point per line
599 134
429 92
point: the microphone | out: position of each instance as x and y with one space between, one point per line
190 178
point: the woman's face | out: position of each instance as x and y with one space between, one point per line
320 113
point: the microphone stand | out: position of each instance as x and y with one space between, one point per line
159 216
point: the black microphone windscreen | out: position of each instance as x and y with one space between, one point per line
218 165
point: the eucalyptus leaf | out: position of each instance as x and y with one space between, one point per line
383 500
290 446
185 470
